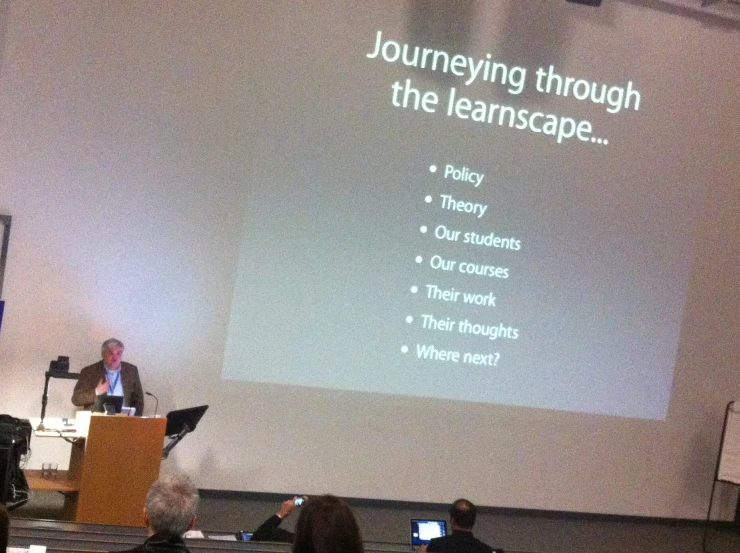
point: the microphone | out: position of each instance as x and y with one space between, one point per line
156 405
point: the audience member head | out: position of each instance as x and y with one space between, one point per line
463 514
4 526
326 525
171 505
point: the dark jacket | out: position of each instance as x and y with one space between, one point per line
270 531
161 543
458 542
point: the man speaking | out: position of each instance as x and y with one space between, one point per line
110 376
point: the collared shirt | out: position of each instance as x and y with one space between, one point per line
116 386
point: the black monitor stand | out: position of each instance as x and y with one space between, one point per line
180 423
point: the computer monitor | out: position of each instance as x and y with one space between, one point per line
424 530
177 420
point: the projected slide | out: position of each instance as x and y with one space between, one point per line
443 218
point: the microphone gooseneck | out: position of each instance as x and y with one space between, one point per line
156 405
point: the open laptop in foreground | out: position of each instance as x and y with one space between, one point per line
424 530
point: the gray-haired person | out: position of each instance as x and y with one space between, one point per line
110 376
169 512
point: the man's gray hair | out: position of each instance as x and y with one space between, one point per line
171 504
110 343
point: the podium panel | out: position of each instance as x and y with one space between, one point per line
115 468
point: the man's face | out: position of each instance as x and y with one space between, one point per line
112 358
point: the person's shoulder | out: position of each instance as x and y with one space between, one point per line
129 367
483 547
459 542
97 366
438 544
145 548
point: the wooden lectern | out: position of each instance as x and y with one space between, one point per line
111 471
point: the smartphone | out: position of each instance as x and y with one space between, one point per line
244 536
299 501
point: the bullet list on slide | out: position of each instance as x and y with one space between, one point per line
461 195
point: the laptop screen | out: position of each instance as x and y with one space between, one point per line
115 403
424 530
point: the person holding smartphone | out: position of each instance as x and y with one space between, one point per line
270 529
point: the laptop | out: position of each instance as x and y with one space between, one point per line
110 405
424 530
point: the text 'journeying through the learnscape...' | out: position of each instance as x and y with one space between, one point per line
616 99
479 279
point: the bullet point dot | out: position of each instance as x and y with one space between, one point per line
409 319
404 349
432 168
423 229
414 289
419 259
428 199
